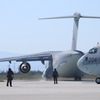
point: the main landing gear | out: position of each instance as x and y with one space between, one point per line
97 80
77 78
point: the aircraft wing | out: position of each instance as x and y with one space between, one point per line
32 57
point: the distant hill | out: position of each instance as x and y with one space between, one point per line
8 54
35 65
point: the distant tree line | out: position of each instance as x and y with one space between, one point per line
29 73
32 75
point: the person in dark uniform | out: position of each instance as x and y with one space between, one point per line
10 76
55 76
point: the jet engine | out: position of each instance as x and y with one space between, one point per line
24 67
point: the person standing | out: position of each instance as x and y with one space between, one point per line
55 76
10 76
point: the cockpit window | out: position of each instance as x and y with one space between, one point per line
93 50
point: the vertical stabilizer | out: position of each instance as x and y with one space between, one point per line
75 30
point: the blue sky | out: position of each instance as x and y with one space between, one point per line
22 32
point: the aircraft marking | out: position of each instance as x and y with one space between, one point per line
91 60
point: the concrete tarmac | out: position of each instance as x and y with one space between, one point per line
46 90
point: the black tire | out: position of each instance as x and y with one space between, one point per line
77 78
97 80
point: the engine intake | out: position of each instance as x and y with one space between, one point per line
24 67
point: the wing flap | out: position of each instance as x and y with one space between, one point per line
38 58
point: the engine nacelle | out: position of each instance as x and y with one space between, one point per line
24 67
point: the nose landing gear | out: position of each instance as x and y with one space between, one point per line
97 80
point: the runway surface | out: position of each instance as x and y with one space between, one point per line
46 90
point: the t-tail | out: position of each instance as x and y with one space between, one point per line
76 17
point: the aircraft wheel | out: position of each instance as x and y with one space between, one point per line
97 80
77 78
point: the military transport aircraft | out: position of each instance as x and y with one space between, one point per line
64 61
90 62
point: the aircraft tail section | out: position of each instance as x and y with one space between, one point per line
76 17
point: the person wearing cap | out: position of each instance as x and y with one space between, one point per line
55 76
10 76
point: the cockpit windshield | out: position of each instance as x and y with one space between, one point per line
93 50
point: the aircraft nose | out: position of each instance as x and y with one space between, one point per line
80 64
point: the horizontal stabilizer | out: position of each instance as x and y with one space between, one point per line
76 15
57 17
89 17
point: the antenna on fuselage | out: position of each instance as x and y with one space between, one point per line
76 17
